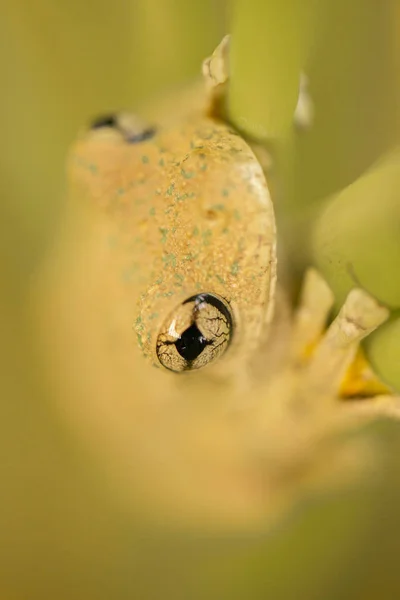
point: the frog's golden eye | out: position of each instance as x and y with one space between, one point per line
131 127
195 334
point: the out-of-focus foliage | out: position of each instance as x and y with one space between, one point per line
268 53
65 62
62 535
357 243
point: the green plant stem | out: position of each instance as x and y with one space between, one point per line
270 44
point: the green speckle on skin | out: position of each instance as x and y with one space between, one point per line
139 339
179 279
169 260
203 167
220 279
80 162
236 214
225 230
189 257
181 197
145 159
161 162
152 211
159 281
187 174
218 207
225 192
235 268
185 196
206 237
153 316
164 233
195 230
165 294
170 189
121 191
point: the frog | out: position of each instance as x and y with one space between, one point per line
192 196
192 376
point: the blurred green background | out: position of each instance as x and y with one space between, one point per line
61 535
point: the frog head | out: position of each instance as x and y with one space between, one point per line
193 231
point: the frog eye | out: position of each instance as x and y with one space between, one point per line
131 127
195 334
104 121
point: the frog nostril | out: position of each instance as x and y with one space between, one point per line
211 214
141 136
109 120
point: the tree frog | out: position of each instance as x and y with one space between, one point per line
177 270
191 205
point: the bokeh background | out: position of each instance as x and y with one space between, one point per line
61 533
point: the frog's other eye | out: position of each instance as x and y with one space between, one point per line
104 121
131 127
195 334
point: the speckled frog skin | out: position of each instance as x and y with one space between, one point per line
191 218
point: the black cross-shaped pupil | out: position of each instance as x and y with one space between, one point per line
191 343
